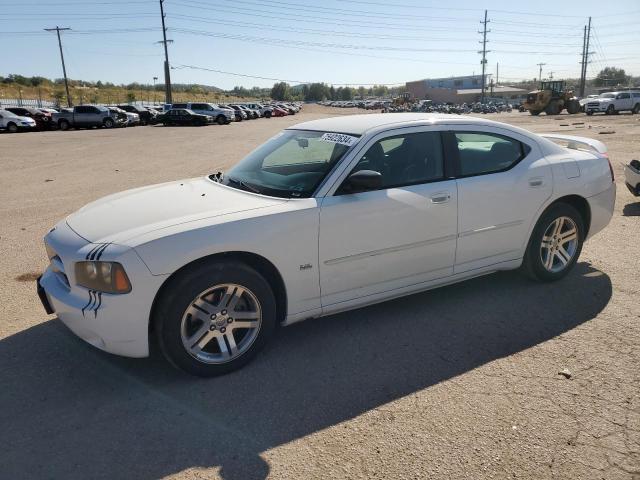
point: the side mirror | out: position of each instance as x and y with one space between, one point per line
364 180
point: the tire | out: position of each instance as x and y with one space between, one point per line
636 109
63 125
564 252
221 119
552 109
267 114
12 127
179 323
610 110
589 113
573 107
535 113
108 123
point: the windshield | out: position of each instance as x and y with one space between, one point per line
607 95
291 164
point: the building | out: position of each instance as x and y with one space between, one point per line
460 89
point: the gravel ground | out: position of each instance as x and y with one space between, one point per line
463 383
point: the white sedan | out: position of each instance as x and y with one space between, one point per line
328 215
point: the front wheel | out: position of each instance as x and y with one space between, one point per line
267 114
108 123
12 127
555 244
610 110
214 318
221 120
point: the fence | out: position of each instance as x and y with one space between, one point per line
26 102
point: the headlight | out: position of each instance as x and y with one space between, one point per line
108 277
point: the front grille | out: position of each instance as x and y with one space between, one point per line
593 104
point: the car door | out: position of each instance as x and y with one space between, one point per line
624 101
80 116
502 180
400 235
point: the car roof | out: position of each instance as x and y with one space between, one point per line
361 124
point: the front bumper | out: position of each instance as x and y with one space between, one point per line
114 323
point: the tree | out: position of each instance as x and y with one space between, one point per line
361 92
131 97
346 94
611 76
317 92
281 91
332 93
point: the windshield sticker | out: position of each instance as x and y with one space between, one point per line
340 138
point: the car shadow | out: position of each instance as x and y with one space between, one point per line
70 411
631 210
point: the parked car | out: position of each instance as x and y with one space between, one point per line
287 108
125 119
239 113
222 115
327 216
85 116
614 102
13 123
147 117
632 177
251 114
183 116
276 111
265 111
42 119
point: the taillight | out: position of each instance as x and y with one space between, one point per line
613 178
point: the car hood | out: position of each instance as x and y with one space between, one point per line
122 216
601 100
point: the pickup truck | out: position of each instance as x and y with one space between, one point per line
614 102
85 116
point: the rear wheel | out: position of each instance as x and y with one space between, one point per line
214 318
636 108
555 244
267 114
12 127
221 119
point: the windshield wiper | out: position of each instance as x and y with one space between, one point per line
245 185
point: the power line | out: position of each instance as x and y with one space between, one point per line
194 67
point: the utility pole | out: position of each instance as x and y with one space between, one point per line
550 75
582 63
167 74
585 58
64 69
497 76
484 52
540 74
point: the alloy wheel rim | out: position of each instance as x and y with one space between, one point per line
221 323
559 244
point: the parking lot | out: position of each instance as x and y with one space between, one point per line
460 382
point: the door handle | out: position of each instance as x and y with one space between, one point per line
441 197
536 182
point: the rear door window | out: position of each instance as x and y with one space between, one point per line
481 153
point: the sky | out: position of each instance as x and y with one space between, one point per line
356 42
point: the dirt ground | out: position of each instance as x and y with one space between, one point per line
466 384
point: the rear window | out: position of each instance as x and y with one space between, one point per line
179 105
